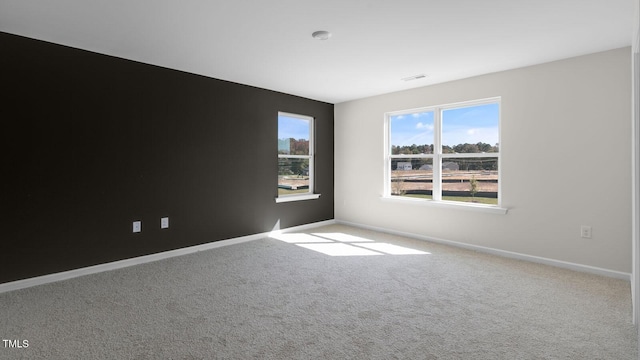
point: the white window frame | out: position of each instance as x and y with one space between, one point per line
438 156
311 157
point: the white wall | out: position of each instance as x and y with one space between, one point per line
565 162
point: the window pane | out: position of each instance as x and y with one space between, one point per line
412 177
470 180
293 135
412 133
472 129
293 176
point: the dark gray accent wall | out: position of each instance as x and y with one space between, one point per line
91 143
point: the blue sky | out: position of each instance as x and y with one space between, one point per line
290 127
471 125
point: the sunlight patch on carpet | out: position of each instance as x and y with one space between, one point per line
299 238
339 244
345 238
339 249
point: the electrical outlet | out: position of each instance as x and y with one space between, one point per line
164 223
585 232
137 226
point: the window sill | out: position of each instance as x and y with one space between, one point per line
447 204
297 197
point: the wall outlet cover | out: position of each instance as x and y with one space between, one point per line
137 226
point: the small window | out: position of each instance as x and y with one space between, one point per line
295 157
445 153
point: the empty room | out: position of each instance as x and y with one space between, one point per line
319 180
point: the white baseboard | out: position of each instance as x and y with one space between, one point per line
503 253
65 275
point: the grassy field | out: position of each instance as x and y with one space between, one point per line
289 192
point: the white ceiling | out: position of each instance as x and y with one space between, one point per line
268 43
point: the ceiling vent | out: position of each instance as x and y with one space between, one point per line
414 77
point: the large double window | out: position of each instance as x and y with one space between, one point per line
295 157
448 153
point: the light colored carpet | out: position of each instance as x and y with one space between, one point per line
282 299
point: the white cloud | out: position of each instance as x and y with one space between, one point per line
471 136
422 126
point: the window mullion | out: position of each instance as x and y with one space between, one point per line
286 156
387 152
471 155
437 158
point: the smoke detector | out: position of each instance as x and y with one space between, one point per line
321 35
